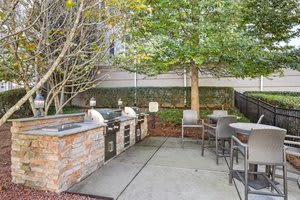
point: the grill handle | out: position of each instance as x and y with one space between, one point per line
111 146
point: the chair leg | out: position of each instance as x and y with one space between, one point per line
223 146
182 135
203 141
285 190
246 180
231 163
217 151
273 175
236 156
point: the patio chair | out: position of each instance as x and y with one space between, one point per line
221 132
190 120
241 148
292 143
260 119
265 147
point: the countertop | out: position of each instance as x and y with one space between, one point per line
84 126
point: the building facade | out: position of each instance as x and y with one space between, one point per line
118 78
4 86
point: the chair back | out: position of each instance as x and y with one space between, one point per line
223 129
260 119
266 146
190 117
220 112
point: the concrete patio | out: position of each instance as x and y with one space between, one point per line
159 168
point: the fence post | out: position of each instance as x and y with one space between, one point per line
275 116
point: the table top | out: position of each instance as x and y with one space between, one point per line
245 128
216 117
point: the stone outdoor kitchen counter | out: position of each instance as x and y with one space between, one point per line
47 159
54 161
84 126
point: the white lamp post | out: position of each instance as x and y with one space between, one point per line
120 103
92 102
39 104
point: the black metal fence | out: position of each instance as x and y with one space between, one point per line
253 108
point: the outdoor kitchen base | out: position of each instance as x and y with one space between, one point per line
55 152
55 160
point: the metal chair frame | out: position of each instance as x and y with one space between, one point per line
190 120
220 136
235 144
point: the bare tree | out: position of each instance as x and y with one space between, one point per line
59 43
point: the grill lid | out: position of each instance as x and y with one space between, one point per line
103 115
136 110
107 114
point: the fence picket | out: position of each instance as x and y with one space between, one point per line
282 117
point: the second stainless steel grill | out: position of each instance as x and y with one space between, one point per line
135 112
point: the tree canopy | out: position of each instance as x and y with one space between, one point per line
222 38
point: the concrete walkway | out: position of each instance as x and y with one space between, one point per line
159 168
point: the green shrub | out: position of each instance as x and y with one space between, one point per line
280 99
170 116
167 97
10 98
66 110
174 116
281 93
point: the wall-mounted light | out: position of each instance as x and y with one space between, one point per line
120 103
92 102
39 104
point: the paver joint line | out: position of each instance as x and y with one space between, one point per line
142 168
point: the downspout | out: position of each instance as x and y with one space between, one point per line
184 85
261 83
135 87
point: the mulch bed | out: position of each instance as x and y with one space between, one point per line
11 191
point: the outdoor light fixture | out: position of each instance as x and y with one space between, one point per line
39 104
120 103
93 102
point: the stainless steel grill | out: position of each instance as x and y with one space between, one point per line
135 112
111 118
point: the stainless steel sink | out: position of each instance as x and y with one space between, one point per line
62 127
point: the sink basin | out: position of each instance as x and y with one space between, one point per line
62 127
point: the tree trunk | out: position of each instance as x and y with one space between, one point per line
57 104
194 88
31 100
49 73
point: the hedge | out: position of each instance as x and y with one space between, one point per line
281 93
10 98
280 99
167 97
174 116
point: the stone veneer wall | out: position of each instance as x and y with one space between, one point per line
51 162
144 127
120 135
